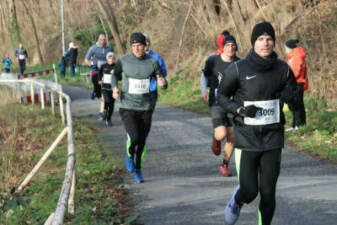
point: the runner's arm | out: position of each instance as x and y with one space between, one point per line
290 92
227 88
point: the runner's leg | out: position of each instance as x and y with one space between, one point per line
270 164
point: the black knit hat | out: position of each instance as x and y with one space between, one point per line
263 28
137 37
229 39
292 43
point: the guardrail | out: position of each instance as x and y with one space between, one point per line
67 194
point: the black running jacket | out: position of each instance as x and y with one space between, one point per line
266 83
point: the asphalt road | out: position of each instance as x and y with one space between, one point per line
183 185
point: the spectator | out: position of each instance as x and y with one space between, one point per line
72 57
62 66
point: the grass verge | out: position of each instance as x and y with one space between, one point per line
319 136
26 132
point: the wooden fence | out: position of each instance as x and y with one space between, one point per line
67 195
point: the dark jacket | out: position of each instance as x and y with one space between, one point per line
72 56
106 69
257 79
214 72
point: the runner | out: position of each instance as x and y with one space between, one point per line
21 55
105 79
136 69
213 71
156 56
296 61
259 84
96 57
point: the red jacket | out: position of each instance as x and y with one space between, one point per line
296 61
219 42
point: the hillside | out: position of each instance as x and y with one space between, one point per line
183 32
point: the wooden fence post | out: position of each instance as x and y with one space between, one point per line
52 101
61 109
32 93
43 159
42 97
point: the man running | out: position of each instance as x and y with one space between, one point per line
95 58
156 56
21 55
213 71
253 90
136 70
105 79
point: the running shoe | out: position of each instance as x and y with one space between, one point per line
92 95
108 123
232 210
291 129
225 170
100 116
138 176
129 163
216 146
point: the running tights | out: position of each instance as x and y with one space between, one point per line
137 125
258 172
109 103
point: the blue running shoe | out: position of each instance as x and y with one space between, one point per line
232 210
130 165
100 116
92 95
138 176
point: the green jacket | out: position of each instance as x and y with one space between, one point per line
136 74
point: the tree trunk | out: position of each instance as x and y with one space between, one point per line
37 41
109 16
13 26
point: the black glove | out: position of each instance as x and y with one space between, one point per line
249 111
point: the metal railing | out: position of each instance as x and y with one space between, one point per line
67 195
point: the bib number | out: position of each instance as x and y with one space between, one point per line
22 56
269 114
139 86
107 78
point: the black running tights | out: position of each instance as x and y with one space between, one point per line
137 125
258 172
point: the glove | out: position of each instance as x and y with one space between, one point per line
249 111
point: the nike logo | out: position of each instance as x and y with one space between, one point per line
251 77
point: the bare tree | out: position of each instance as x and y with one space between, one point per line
109 16
36 36
13 26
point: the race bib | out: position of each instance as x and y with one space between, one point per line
107 78
269 114
139 86
100 63
22 56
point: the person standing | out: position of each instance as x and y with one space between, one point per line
95 58
296 61
105 79
213 71
7 63
136 70
253 90
72 57
21 55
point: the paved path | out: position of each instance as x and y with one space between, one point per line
183 185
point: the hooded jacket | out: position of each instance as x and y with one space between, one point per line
296 61
255 80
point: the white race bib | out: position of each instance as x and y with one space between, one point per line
100 63
139 86
22 56
269 114
107 78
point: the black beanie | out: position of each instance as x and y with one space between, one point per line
292 43
225 32
137 37
263 28
229 39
